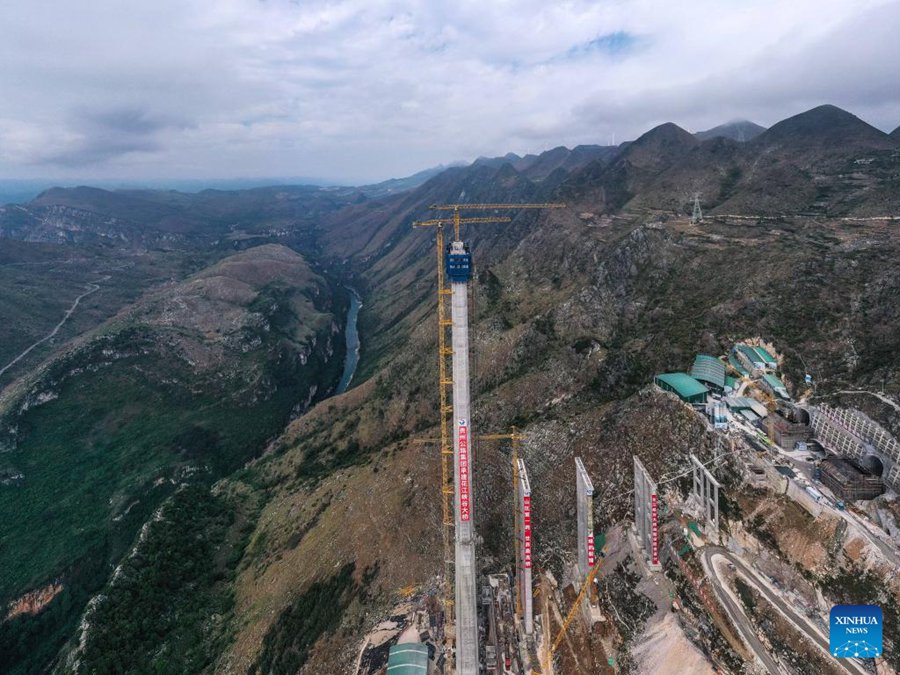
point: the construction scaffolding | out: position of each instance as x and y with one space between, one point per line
446 416
850 433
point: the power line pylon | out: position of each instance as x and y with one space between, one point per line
698 213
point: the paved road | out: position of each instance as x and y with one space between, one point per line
737 614
92 288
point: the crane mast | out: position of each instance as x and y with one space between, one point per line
455 261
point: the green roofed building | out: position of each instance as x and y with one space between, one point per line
751 358
737 366
767 357
709 369
775 386
731 384
742 403
408 659
686 387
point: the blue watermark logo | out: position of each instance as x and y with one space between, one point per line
856 631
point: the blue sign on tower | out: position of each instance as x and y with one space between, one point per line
856 631
458 262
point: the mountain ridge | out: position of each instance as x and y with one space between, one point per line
737 130
822 125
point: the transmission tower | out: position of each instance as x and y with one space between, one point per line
698 214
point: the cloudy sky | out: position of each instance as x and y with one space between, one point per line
362 90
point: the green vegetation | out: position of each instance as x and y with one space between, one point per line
745 593
167 609
101 445
112 428
27 642
318 610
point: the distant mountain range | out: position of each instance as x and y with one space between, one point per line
823 162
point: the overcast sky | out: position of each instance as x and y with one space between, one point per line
364 90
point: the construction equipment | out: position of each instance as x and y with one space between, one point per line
585 588
456 263
456 208
446 410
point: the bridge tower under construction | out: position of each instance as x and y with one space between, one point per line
523 574
457 438
584 510
459 270
646 514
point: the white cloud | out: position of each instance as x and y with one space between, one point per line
364 90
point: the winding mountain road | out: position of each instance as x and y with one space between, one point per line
92 288
739 618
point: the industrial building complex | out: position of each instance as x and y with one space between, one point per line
864 458
848 480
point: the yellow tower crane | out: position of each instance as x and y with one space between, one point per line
445 352
457 208
576 606
446 410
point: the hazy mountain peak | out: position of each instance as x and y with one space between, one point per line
737 130
667 134
824 124
508 158
896 133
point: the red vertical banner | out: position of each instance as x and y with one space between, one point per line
526 531
654 530
590 550
464 506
